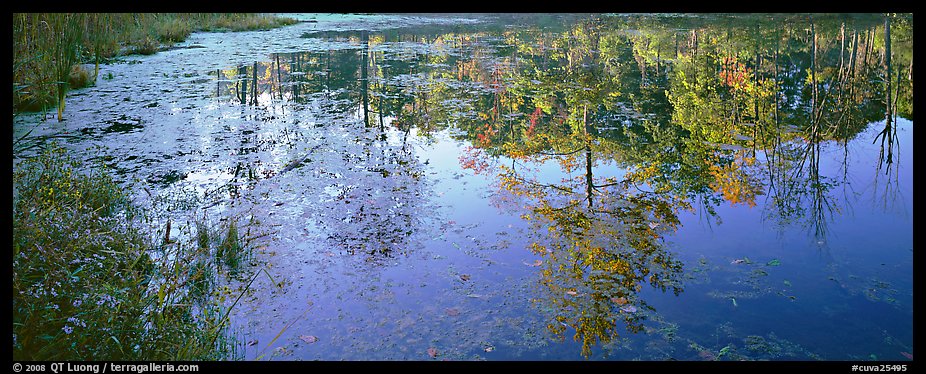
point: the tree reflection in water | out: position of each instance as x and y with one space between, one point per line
691 130
644 116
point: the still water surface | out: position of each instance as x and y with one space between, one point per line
535 187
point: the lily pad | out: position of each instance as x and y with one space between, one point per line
309 338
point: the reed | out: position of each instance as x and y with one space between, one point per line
231 252
66 35
88 284
46 46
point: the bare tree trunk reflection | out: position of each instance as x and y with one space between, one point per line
797 188
820 205
364 82
888 134
254 85
589 181
293 84
241 84
279 78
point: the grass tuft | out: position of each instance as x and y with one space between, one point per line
84 284
231 252
146 46
79 77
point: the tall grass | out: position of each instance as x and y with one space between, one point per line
101 39
47 45
229 250
89 285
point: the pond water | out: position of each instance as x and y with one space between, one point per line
534 187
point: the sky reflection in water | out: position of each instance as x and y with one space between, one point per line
546 188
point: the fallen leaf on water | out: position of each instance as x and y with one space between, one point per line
464 277
907 355
629 309
309 338
619 300
653 225
573 293
452 311
432 352
774 262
